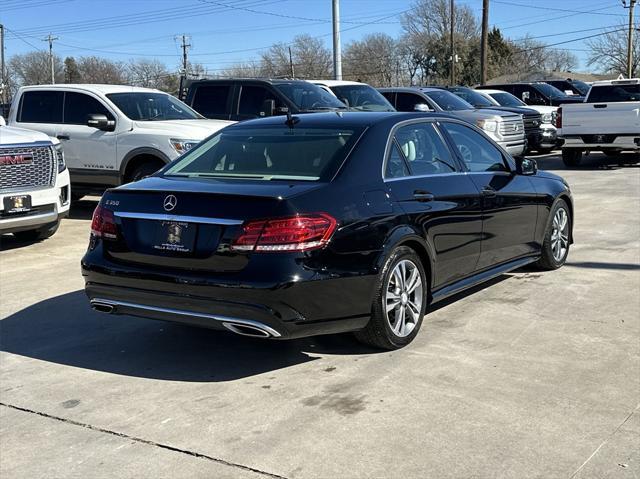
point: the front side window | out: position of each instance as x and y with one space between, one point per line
408 101
424 150
252 100
309 97
78 107
152 106
472 97
270 153
507 99
477 152
362 97
41 107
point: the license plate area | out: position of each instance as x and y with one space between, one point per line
174 237
17 204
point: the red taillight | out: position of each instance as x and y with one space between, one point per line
103 223
294 233
559 118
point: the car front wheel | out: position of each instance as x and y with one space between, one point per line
556 239
571 157
399 303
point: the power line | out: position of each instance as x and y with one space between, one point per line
552 9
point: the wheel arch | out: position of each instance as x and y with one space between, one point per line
138 156
567 199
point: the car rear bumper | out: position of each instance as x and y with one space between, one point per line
610 142
280 310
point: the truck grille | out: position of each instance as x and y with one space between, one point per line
512 128
40 172
532 122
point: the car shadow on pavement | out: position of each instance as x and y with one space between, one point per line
601 265
589 162
65 330
83 209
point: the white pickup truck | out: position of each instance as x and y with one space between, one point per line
607 121
112 134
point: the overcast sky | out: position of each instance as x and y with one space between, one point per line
221 35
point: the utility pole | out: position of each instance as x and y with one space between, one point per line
50 39
293 72
3 78
484 45
453 53
337 54
632 3
185 63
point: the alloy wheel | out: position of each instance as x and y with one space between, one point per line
560 234
403 298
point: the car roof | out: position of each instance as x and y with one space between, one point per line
491 90
341 119
94 87
331 83
410 89
271 81
625 81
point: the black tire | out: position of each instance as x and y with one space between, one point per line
378 332
37 235
544 151
612 154
547 260
144 170
571 157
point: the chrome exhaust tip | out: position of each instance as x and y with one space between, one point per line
246 330
103 307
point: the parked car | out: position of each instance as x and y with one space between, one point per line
535 93
548 114
570 87
608 121
322 224
34 183
531 118
112 134
506 129
249 98
357 96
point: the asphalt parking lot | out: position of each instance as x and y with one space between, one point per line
534 375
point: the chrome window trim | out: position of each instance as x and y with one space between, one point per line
182 218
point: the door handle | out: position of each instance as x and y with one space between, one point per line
63 137
488 192
422 195
603 105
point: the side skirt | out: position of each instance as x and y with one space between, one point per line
479 278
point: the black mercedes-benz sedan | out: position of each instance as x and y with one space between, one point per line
324 223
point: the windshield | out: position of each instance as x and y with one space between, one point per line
581 86
472 97
448 101
151 106
550 91
614 93
362 97
310 97
272 153
507 99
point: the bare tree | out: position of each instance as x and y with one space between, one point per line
148 73
372 60
609 52
310 57
560 60
100 70
33 68
251 69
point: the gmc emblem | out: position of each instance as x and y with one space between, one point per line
23 159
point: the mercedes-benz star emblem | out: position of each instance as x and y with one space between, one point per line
170 202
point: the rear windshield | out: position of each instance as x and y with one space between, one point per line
273 153
448 101
614 93
362 97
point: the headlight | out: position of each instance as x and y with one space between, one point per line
488 125
182 146
547 118
60 157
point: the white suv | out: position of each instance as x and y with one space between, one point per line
112 134
34 183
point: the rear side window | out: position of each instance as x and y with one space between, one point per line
477 152
41 107
275 153
614 93
78 107
211 100
424 150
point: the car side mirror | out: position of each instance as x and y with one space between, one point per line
526 166
101 122
421 107
268 108
525 96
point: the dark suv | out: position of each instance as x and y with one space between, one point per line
245 99
576 87
536 93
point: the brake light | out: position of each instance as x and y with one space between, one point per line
103 224
559 118
294 233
